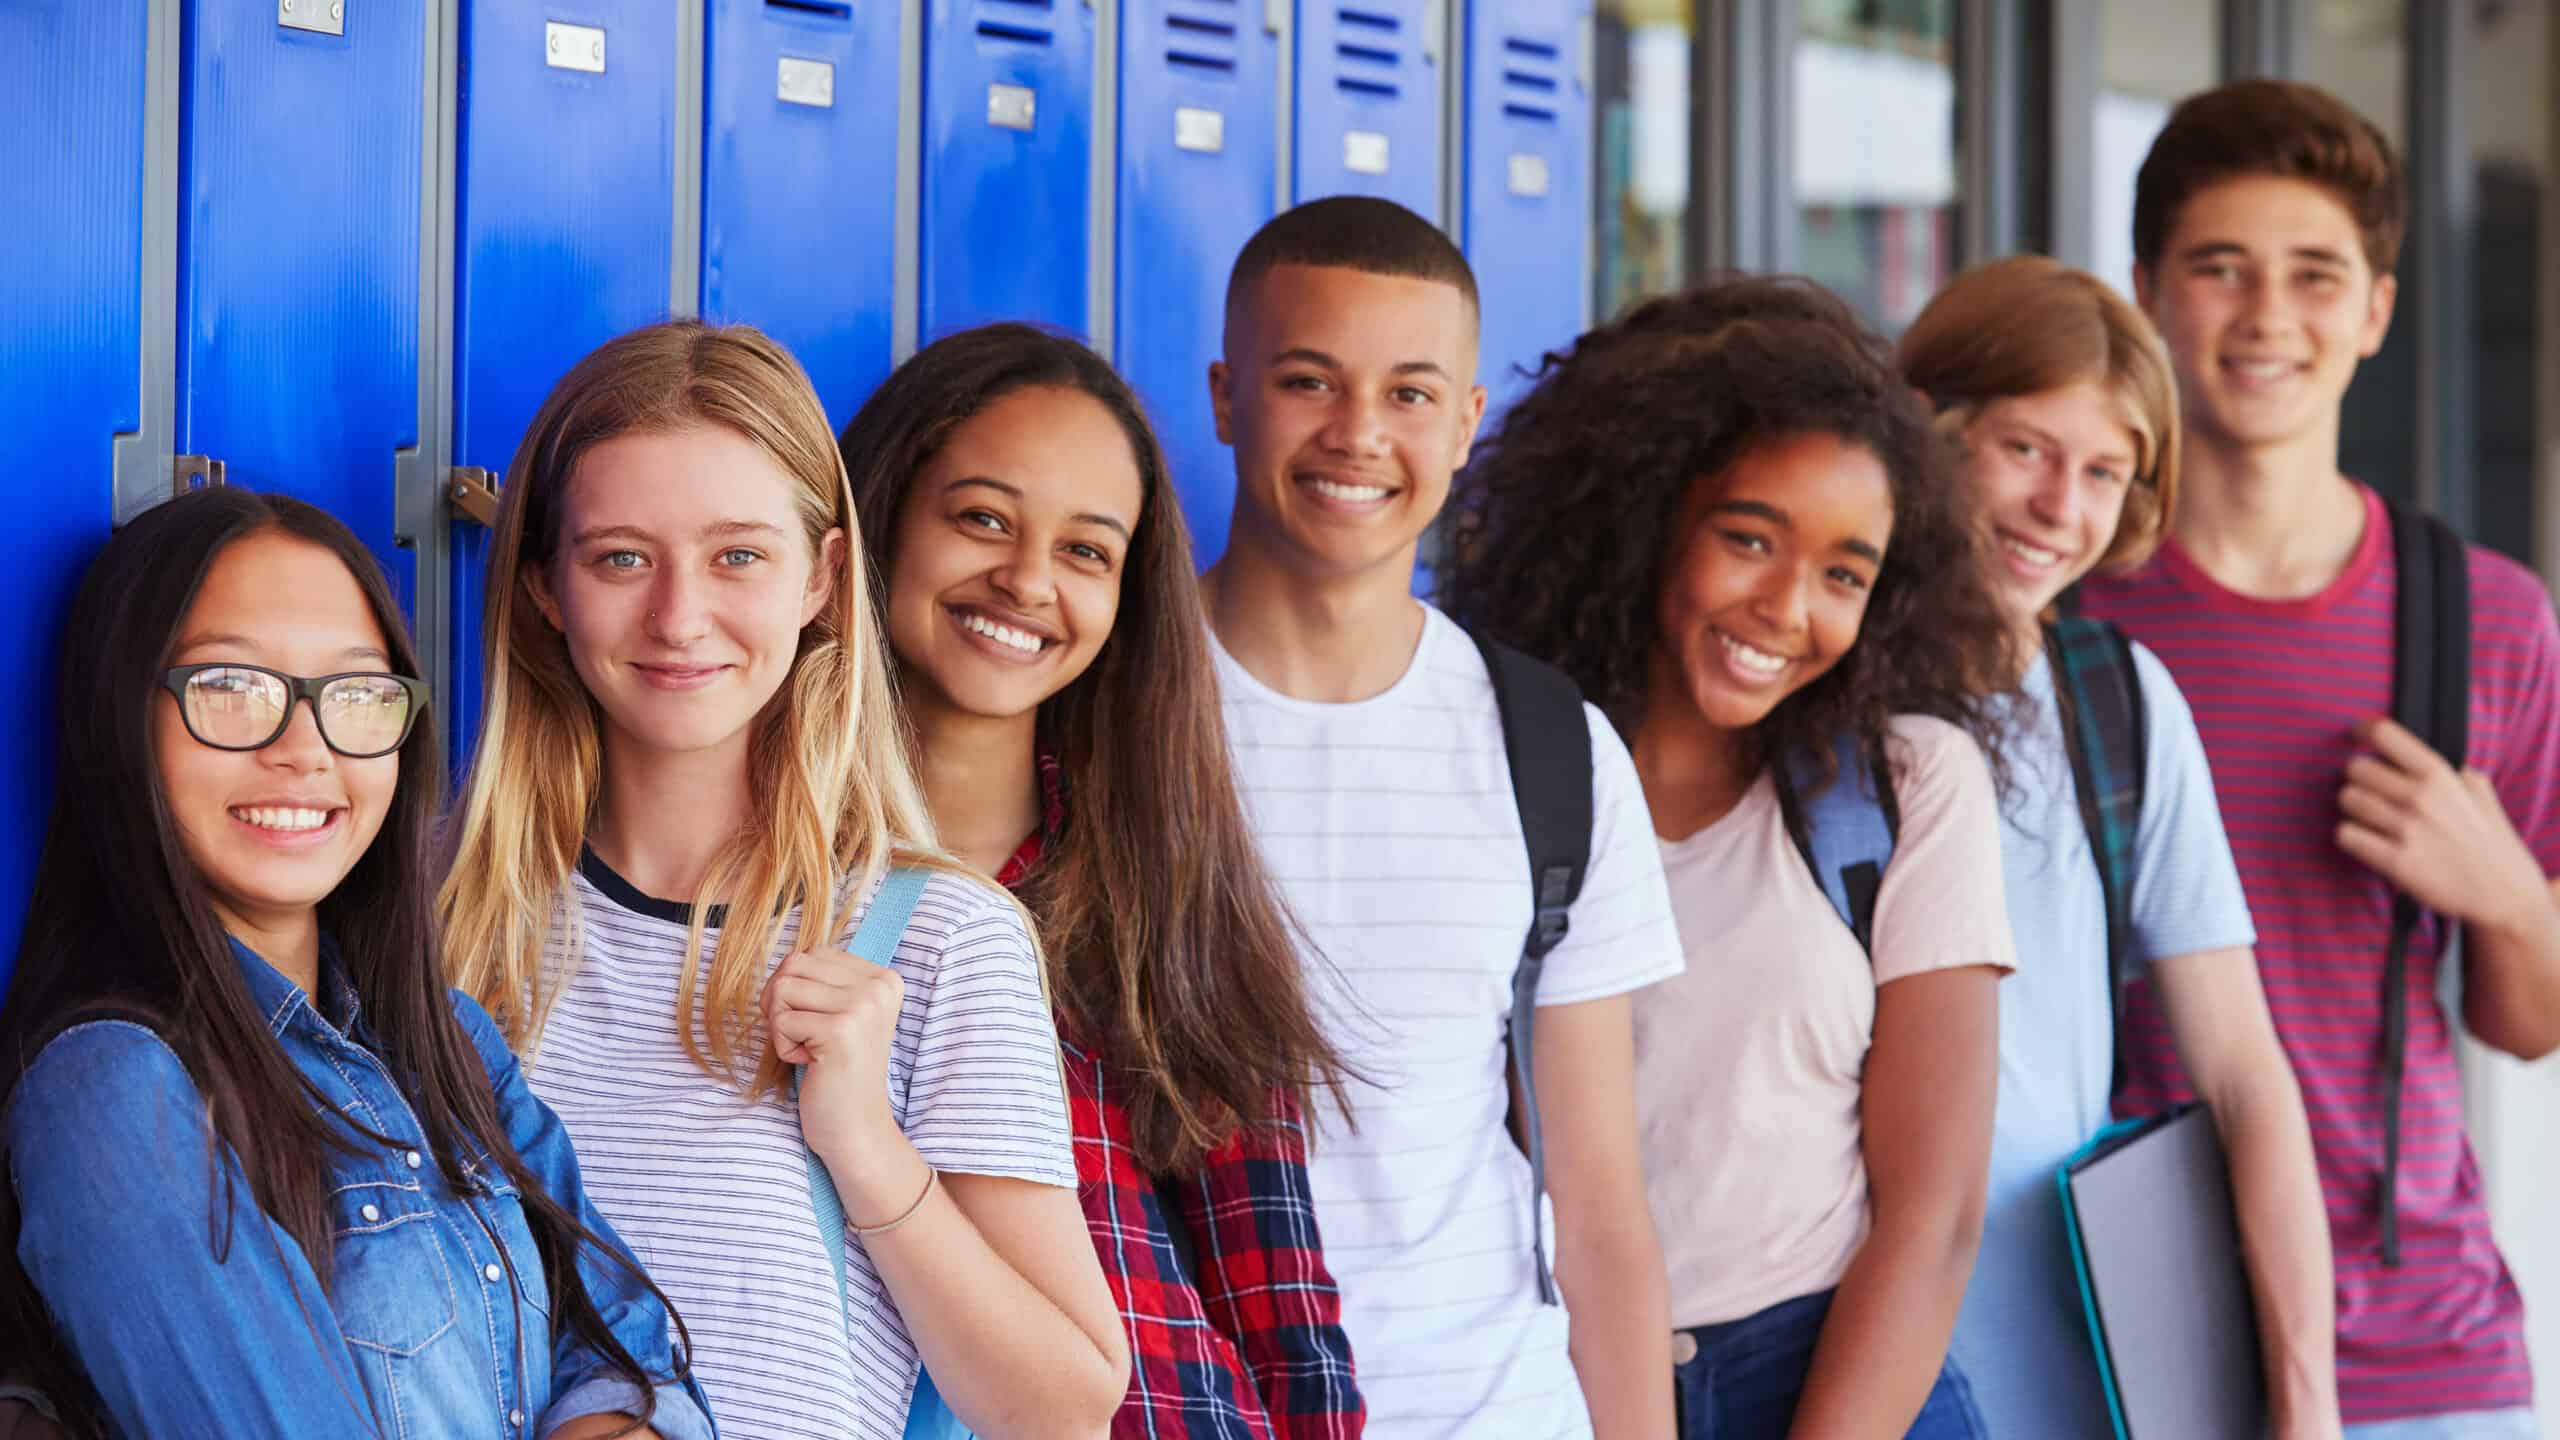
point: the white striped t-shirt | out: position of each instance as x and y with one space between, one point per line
711 1189
1390 827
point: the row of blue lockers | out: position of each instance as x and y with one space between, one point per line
241 232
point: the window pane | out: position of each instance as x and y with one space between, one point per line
2151 55
1875 151
2511 137
1642 135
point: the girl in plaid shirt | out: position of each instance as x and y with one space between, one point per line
1039 597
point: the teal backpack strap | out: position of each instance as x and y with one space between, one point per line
876 940
2105 733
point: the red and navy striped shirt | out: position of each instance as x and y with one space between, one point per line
2277 686
1247 1342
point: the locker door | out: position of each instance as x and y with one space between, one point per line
1199 169
71 143
566 189
1008 184
299 146
799 235
1368 101
1527 178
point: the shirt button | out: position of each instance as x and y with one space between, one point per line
492 1274
412 1158
1684 1347
371 1213
515 1419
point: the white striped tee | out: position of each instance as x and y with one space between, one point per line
711 1190
1390 827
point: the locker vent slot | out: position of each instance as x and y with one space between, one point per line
1023 22
1532 79
1201 36
1369 52
831 9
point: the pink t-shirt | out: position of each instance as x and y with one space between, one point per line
1748 1062
2277 686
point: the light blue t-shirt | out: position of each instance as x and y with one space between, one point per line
2021 1339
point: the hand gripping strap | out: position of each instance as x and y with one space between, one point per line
2431 696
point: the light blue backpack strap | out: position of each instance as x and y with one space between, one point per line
1845 830
876 940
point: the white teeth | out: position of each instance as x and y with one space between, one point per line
1752 658
1022 640
1336 490
2034 555
2262 369
281 817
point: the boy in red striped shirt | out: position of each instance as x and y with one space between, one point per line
2266 223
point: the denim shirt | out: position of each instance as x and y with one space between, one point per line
191 1309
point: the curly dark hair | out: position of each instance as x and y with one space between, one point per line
1563 522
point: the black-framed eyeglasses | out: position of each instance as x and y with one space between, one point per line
363 714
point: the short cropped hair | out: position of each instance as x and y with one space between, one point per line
2277 128
1353 232
2028 324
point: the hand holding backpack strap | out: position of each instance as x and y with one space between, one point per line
2431 698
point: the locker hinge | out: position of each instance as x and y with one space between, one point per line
1435 29
474 495
1275 16
194 472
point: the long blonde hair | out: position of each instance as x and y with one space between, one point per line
2029 324
834 801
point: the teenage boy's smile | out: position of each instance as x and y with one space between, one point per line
1350 399
2267 301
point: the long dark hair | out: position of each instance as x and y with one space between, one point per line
122 925
1568 515
1168 945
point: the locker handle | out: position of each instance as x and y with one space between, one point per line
473 493
194 472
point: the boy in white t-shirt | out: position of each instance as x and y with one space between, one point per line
1371 758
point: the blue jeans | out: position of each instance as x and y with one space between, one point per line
1747 1374
2468 1425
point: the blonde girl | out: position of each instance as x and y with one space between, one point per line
689 759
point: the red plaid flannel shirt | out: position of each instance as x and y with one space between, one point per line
1253 1350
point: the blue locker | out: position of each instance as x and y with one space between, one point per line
566 190
799 228
1368 102
298 253
71 113
1008 182
1527 179
1199 171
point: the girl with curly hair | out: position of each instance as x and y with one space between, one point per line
2067 407
1729 520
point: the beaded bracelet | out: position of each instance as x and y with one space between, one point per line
930 1175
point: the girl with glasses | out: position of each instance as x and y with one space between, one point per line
1038 593
689 788
267 1175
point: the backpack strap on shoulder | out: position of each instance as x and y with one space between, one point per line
876 940
1547 741
2105 733
2431 696
1845 830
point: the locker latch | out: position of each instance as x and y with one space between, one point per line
320 17
193 472
474 495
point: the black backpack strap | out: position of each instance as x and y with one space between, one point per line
2431 696
1548 743
2105 730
